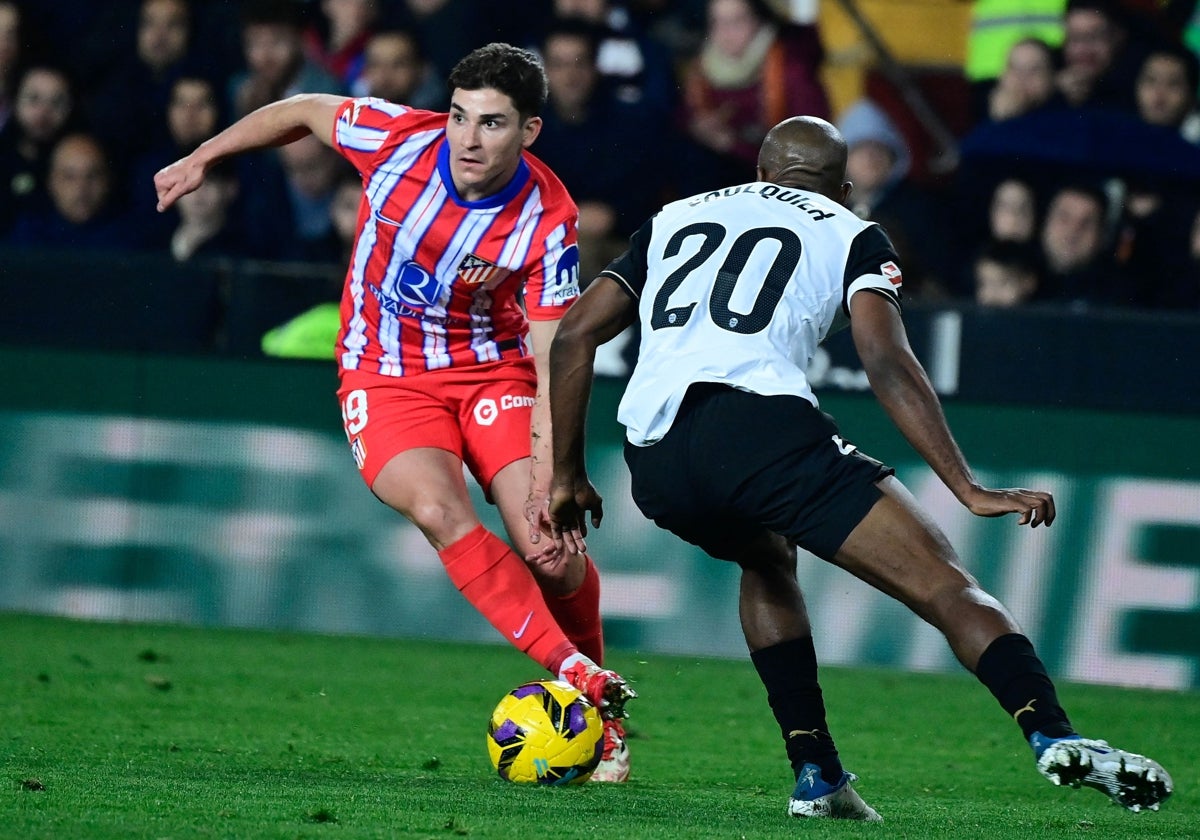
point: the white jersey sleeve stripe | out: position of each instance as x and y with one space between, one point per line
355 340
625 284
519 240
554 250
360 138
876 283
365 138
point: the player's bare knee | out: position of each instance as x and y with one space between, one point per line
560 579
442 524
962 603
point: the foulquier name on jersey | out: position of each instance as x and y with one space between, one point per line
796 198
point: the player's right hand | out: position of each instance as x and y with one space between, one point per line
1036 507
569 504
180 178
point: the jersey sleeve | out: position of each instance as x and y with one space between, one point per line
362 129
629 269
872 266
553 283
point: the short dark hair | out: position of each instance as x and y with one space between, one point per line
515 72
405 35
272 13
1111 10
574 27
1104 7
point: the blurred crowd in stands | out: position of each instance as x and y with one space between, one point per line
1075 181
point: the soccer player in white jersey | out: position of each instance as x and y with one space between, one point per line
734 290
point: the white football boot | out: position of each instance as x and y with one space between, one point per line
614 765
815 797
1128 779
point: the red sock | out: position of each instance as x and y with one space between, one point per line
578 614
500 586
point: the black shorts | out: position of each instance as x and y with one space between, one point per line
735 464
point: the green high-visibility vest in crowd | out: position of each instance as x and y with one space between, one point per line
1191 31
998 24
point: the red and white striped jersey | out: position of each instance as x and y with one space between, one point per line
436 281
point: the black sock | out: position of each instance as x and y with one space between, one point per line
1011 670
789 672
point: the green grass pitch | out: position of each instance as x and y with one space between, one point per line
139 731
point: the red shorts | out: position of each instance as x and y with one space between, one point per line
480 413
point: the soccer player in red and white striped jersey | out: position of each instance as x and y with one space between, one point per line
464 261
435 274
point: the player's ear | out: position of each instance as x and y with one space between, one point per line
530 131
847 188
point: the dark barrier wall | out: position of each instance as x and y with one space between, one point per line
1033 356
1130 361
220 491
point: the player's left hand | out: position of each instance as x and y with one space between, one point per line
180 178
548 558
538 516
1036 507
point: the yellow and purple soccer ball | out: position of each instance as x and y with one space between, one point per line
545 733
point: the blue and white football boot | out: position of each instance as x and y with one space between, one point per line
1128 779
815 797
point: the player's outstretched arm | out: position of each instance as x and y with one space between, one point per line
271 125
599 315
904 390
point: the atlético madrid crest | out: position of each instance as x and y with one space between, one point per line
476 270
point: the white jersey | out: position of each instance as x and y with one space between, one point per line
739 286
